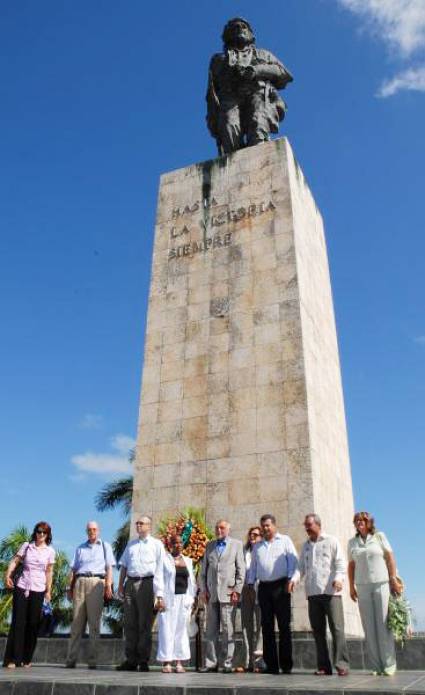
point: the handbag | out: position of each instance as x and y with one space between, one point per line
18 571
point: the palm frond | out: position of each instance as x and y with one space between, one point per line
11 543
118 493
121 539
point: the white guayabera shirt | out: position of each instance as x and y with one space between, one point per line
322 563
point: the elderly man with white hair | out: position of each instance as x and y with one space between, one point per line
221 582
90 584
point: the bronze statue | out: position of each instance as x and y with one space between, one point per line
244 106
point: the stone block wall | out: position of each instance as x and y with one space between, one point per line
241 406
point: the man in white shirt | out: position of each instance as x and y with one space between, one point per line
323 567
274 564
142 571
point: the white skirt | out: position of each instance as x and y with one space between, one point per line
173 636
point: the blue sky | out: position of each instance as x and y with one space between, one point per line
98 99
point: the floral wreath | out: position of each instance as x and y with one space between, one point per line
191 526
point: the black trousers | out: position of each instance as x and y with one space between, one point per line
26 617
321 608
275 602
138 619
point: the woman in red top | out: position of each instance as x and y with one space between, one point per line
30 590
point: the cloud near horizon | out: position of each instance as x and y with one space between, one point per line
106 463
401 25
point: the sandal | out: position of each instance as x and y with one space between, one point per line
180 669
167 668
322 672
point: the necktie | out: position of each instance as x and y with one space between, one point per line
221 546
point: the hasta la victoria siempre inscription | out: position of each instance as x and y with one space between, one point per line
217 240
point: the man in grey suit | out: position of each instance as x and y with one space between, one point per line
221 581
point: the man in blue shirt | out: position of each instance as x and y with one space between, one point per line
274 564
90 584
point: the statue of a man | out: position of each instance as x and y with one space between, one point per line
244 106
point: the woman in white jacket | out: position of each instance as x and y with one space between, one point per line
179 595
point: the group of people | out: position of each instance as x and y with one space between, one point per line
259 577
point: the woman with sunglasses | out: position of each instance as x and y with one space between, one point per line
250 615
33 586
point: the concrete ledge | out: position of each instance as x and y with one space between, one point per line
111 651
42 680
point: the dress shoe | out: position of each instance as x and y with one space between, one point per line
70 664
287 671
322 672
144 667
92 667
126 666
208 669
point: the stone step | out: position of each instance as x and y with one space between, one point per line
42 680
111 651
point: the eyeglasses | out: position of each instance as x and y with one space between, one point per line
41 532
143 523
255 534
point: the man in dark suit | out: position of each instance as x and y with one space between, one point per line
221 580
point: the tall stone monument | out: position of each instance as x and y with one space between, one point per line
242 409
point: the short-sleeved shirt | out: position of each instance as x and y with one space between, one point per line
36 560
369 558
144 557
93 558
141 556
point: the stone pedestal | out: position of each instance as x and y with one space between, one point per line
242 409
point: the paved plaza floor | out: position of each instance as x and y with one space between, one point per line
56 680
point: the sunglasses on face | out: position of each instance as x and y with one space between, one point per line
41 532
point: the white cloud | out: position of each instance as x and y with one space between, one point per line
411 80
106 463
91 421
123 443
399 23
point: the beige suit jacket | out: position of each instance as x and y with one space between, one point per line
220 575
